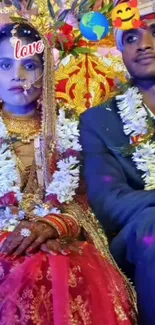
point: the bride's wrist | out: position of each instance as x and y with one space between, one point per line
64 224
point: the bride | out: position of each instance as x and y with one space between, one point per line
55 267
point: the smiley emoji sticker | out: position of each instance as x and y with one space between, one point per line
126 16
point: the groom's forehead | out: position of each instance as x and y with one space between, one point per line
147 25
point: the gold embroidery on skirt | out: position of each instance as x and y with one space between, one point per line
80 311
73 278
43 299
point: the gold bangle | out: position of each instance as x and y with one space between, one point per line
72 223
73 215
51 222
70 216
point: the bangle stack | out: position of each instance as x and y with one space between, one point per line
72 224
65 224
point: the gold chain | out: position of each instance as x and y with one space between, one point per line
23 129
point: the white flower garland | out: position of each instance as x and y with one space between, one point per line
134 118
65 179
68 133
9 176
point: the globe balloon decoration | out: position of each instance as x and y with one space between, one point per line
94 26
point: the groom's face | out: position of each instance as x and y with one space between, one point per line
139 51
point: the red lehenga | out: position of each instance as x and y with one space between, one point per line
76 289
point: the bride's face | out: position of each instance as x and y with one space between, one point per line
15 73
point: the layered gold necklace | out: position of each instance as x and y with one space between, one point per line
23 129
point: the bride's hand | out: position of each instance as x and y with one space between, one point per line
62 246
17 244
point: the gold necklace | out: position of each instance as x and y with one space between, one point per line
23 129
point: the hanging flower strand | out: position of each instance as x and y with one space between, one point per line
136 125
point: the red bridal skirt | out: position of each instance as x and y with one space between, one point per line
63 290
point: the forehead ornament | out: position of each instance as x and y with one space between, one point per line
14 39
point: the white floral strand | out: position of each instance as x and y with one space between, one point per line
66 179
9 221
132 112
67 133
42 211
144 158
9 176
134 118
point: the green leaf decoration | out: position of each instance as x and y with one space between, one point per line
62 54
84 50
75 53
85 4
30 3
77 38
59 3
18 20
128 150
106 9
63 15
74 5
84 7
58 24
51 10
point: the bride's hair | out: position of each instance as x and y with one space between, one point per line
22 31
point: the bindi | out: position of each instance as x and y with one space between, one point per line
22 51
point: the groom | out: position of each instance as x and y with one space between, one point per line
118 142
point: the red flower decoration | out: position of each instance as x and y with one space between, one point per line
53 200
8 199
71 152
136 139
82 43
66 29
70 42
63 37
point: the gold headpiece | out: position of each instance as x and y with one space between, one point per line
38 17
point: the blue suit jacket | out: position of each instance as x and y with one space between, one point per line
114 185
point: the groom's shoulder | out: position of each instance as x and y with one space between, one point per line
100 111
